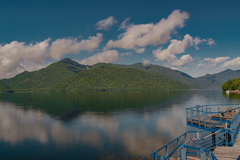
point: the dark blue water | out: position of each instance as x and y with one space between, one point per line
95 125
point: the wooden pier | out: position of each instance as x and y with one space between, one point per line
219 138
212 120
228 153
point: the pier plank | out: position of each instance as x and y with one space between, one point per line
228 153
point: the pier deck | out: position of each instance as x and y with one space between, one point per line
218 138
228 153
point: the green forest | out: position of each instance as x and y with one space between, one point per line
68 75
231 84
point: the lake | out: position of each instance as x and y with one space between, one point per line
96 125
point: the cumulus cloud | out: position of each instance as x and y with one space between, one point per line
105 24
150 34
61 47
146 62
178 47
16 57
140 50
175 47
200 65
125 24
211 42
109 56
235 63
198 40
211 62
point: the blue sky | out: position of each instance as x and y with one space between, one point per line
196 37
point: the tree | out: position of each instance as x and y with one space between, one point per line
225 86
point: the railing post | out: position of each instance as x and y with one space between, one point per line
209 116
210 156
178 152
202 154
187 115
155 158
183 153
226 138
232 138
213 139
185 137
166 151
191 115
198 118
205 119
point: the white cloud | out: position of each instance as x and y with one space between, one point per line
140 50
109 56
105 24
146 62
198 40
64 46
174 68
211 62
211 42
125 24
235 63
201 65
175 47
16 57
150 34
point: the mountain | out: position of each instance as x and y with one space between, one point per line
110 77
4 87
168 73
46 77
71 76
215 81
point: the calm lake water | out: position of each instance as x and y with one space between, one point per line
96 125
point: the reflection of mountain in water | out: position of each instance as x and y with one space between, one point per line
101 132
61 104
112 125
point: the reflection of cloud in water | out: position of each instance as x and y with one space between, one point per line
107 124
172 123
139 133
140 143
17 125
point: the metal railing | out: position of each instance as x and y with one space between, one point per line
191 139
218 131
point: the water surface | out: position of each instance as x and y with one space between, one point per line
95 125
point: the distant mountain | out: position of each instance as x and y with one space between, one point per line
46 77
168 73
215 81
68 75
110 77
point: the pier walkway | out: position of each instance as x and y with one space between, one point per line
218 138
228 153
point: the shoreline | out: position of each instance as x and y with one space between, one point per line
233 91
